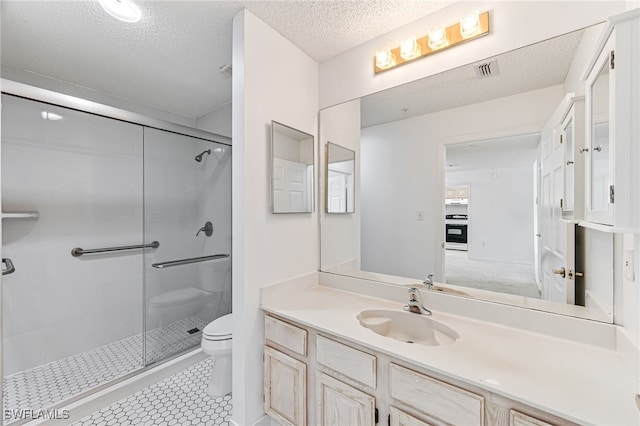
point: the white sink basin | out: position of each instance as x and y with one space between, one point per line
407 327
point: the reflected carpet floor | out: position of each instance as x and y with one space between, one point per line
503 277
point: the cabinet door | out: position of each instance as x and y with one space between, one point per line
451 193
462 192
400 418
340 404
285 388
600 140
519 419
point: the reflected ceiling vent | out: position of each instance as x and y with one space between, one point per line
226 70
487 69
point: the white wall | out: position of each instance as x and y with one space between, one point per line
501 209
272 80
513 24
340 232
411 152
217 121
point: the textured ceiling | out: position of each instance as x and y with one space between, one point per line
170 60
507 152
532 67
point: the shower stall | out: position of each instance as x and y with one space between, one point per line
116 235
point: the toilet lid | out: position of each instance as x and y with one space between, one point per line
222 326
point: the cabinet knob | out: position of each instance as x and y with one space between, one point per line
569 163
583 150
597 148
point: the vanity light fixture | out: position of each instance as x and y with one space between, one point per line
469 27
438 38
123 10
410 49
51 116
385 59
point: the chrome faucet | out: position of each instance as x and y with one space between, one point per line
415 306
428 282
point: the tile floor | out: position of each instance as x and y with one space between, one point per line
178 400
46 384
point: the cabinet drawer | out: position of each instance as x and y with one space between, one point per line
286 335
518 419
400 418
436 398
347 361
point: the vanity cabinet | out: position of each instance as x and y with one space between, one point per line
340 404
612 128
313 378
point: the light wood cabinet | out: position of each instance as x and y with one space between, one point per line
285 388
400 418
312 379
339 404
349 362
520 419
435 398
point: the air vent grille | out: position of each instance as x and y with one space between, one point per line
487 69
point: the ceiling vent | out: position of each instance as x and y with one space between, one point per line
487 69
226 70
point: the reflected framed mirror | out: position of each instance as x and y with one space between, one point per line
292 170
481 155
340 165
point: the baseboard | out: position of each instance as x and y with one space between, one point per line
262 421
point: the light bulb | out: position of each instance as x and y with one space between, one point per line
385 59
409 49
470 25
438 38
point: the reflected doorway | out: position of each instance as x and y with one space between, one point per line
491 215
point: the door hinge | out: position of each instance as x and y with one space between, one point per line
376 416
561 138
612 194
389 420
612 59
561 202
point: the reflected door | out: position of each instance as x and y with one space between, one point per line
557 236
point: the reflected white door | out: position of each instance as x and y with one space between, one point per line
289 186
557 236
337 186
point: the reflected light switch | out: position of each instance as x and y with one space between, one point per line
420 215
629 270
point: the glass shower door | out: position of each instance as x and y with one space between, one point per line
187 200
71 322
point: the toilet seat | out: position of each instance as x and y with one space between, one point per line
219 329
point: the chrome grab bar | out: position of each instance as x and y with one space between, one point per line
172 263
10 268
79 251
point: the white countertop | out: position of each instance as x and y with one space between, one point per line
579 382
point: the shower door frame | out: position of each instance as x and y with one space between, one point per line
21 90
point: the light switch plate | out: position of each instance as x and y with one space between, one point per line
420 215
629 267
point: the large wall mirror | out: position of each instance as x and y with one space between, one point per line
454 180
292 171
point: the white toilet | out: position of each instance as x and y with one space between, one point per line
217 342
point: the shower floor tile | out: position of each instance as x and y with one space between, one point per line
42 386
181 399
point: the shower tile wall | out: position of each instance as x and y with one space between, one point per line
82 174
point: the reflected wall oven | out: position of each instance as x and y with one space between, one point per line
456 232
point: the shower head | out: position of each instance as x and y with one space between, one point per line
199 156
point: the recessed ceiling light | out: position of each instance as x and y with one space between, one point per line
124 10
51 116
